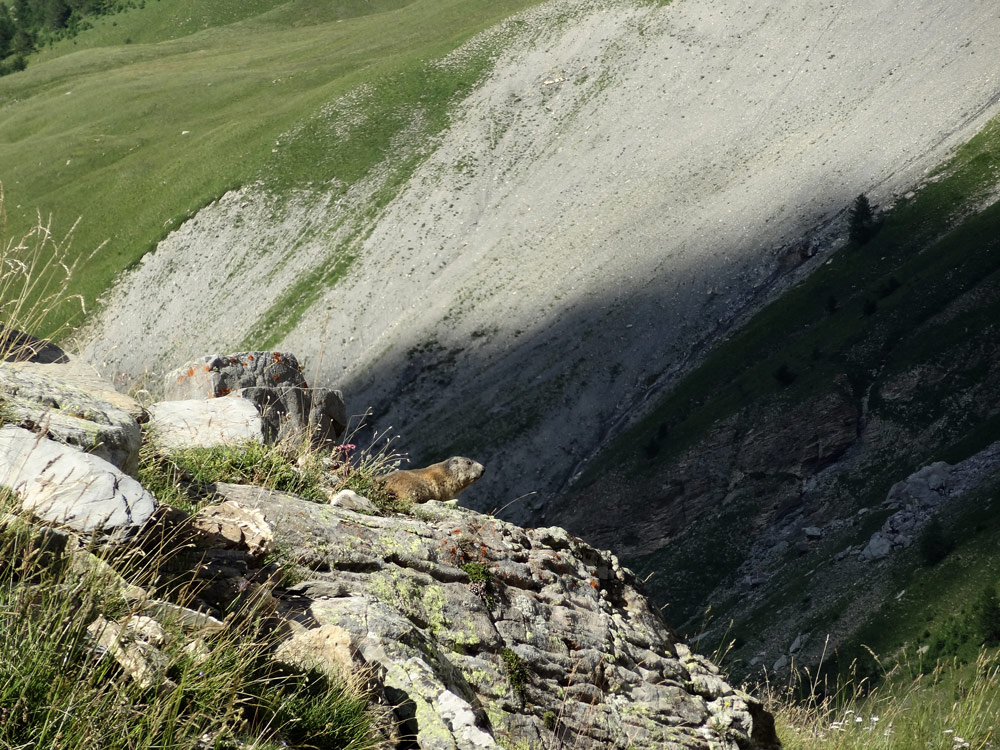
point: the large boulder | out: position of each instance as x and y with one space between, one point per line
61 485
489 635
68 402
204 423
273 381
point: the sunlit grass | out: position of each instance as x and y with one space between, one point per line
141 121
951 707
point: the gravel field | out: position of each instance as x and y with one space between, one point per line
626 183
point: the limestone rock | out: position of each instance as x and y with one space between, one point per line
556 629
230 525
68 403
61 485
878 548
351 500
142 661
204 423
327 648
273 382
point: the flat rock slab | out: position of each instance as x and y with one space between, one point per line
84 376
72 405
204 423
61 485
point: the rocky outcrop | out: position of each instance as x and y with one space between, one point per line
274 383
70 442
204 423
67 402
486 632
474 633
920 496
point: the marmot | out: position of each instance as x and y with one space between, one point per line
441 481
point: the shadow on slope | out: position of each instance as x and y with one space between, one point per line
865 319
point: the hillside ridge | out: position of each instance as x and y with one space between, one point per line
628 177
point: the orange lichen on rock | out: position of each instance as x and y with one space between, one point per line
190 372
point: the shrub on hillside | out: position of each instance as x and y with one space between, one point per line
784 375
988 616
935 544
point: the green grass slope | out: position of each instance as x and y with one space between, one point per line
137 123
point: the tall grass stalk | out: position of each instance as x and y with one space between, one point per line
216 688
36 273
361 470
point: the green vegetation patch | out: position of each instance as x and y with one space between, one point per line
136 124
178 478
58 690
951 707
517 673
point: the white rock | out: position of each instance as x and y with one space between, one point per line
351 500
62 485
462 720
204 423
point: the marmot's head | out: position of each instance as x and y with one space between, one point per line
464 469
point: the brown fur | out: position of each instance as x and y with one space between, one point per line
441 481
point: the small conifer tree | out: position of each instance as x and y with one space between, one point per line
862 226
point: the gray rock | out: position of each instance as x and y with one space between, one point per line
923 488
61 485
216 375
140 660
273 381
813 532
587 645
204 423
68 403
878 548
17 346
